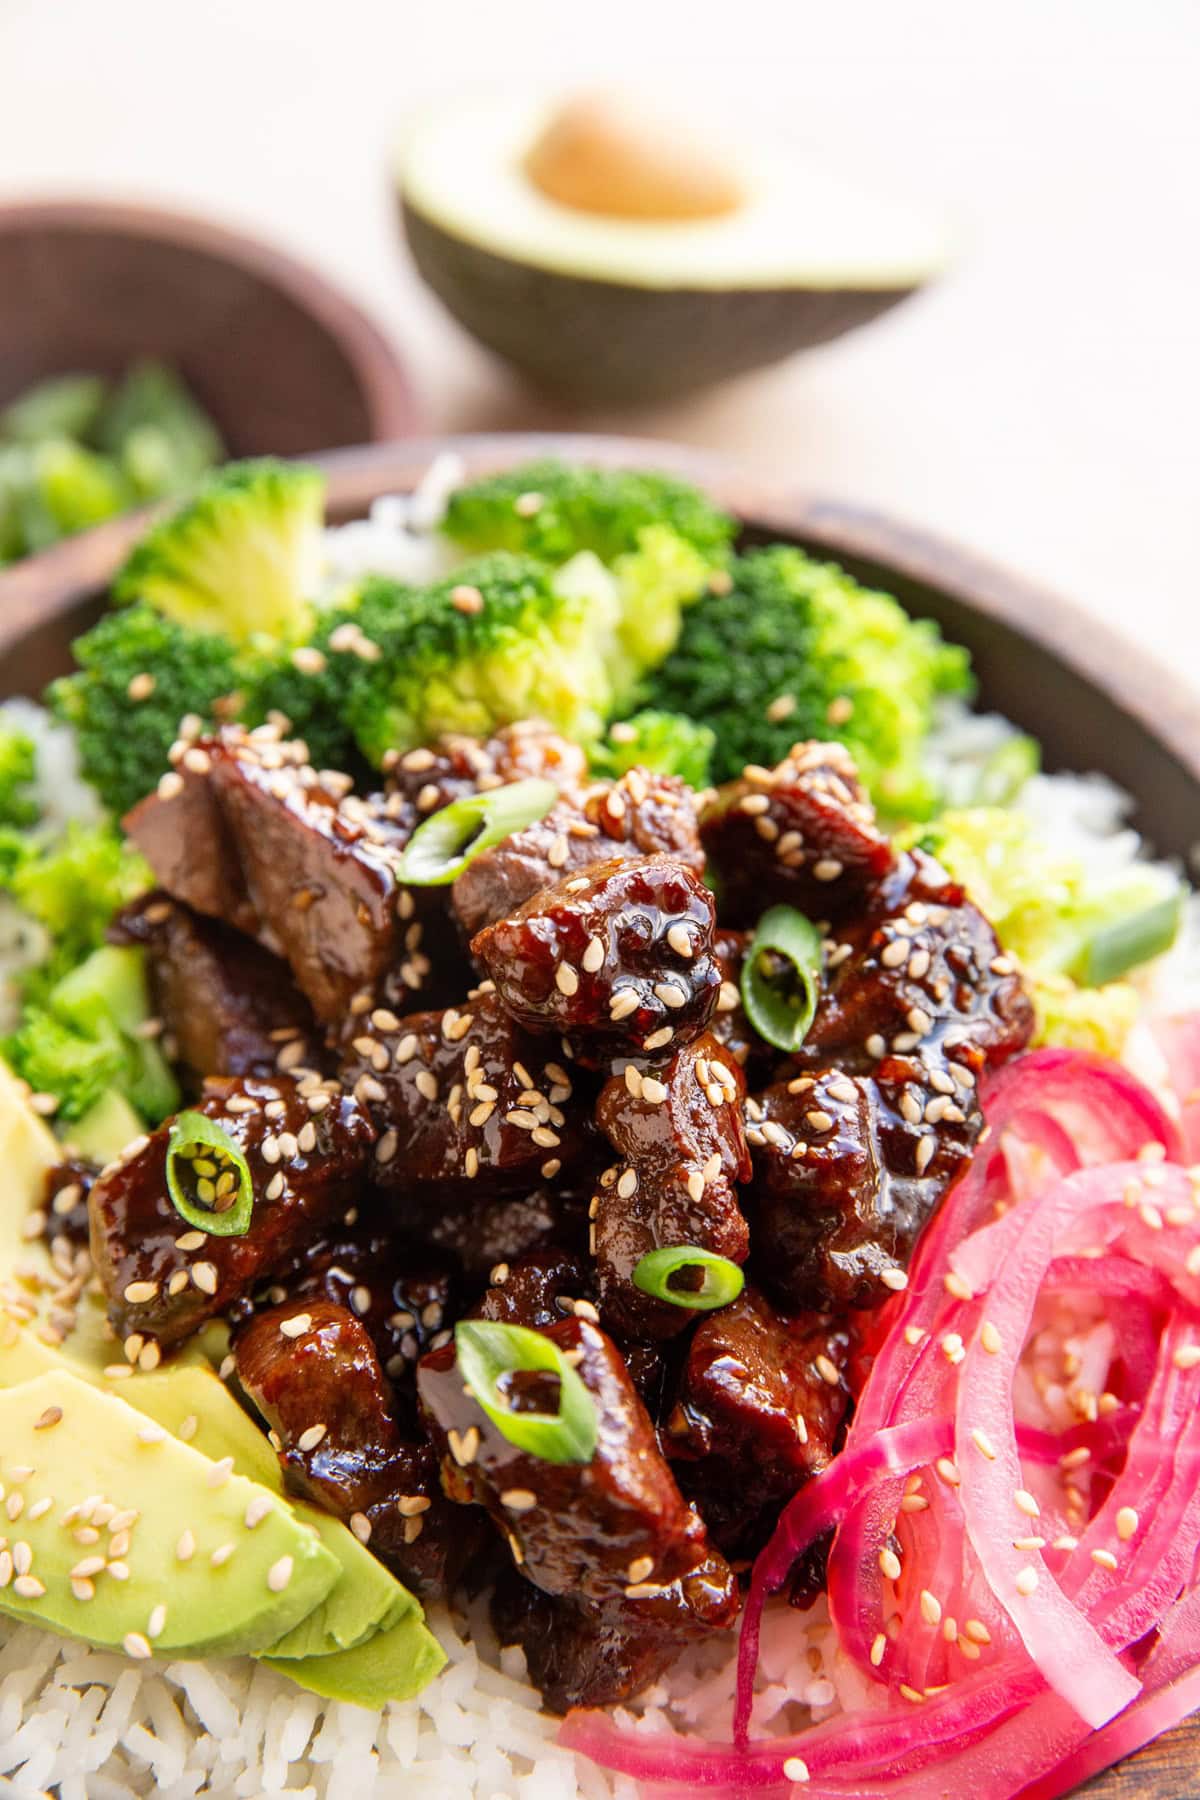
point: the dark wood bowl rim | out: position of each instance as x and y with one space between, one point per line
380 376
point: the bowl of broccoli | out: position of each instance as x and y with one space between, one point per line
125 335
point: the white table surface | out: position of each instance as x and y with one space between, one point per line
1042 403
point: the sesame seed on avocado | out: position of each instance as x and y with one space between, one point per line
129 1538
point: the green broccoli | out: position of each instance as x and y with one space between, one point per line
82 1039
139 674
163 441
1075 931
69 489
310 685
797 649
62 406
18 768
73 886
496 642
241 559
666 742
553 510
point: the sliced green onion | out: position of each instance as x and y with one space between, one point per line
1114 949
1005 771
686 1275
443 844
197 1139
488 1352
781 977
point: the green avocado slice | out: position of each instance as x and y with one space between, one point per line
395 1664
187 1575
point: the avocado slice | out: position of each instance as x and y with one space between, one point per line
105 1129
395 1664
84 1450
566 238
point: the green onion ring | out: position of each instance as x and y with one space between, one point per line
193 1133
1112 950
780 1002
488 1350
443 844
722 1280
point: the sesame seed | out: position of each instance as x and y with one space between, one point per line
827 869
1075 1459
948 1470
1026 1503
1127 1523
654 1093
296 1326
1104 1559
279 1574
827 1370
695 1185
1187 1356
924 1153
309 1439
593 956
464 1446
156 1623
795 1768
931 1608
566 980
28 1587
50 1417
220 1472
411 1505
658 1040
257 1511
204 1275
624 1000
894 953
956 1287
895 1279
640 1568
983 1444
889 1564
1026 1582
990 1338
521 1500
221 1555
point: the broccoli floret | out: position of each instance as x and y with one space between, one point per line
797 649
553 510
124 725
18 768
69 489
163 441
496 642
311 687
73 887
241 559
666 742
1075 930
63 406
80 1039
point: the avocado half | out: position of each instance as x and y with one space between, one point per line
620 308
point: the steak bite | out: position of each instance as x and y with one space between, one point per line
594 1529
760 1402
227 1006
679 1134
183 833
305 1147
599 1653
854 1152
638 815
464 1096
617 959
613 1538
539 1289
313 1374
803 833
430 778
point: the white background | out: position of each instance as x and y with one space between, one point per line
1042 403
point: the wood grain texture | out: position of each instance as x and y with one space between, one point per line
1095 700
283 361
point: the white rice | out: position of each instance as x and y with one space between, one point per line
92 1726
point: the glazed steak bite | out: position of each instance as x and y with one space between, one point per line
636 816
539 1289
678 1130
312 1372
427 779
851 1160
183 833
464 1096
595 1529
616 959
162 1276
759 1405
803 833
227 1006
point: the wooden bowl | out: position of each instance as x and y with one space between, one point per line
283 362
1094 700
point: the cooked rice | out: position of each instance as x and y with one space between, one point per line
94 1726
